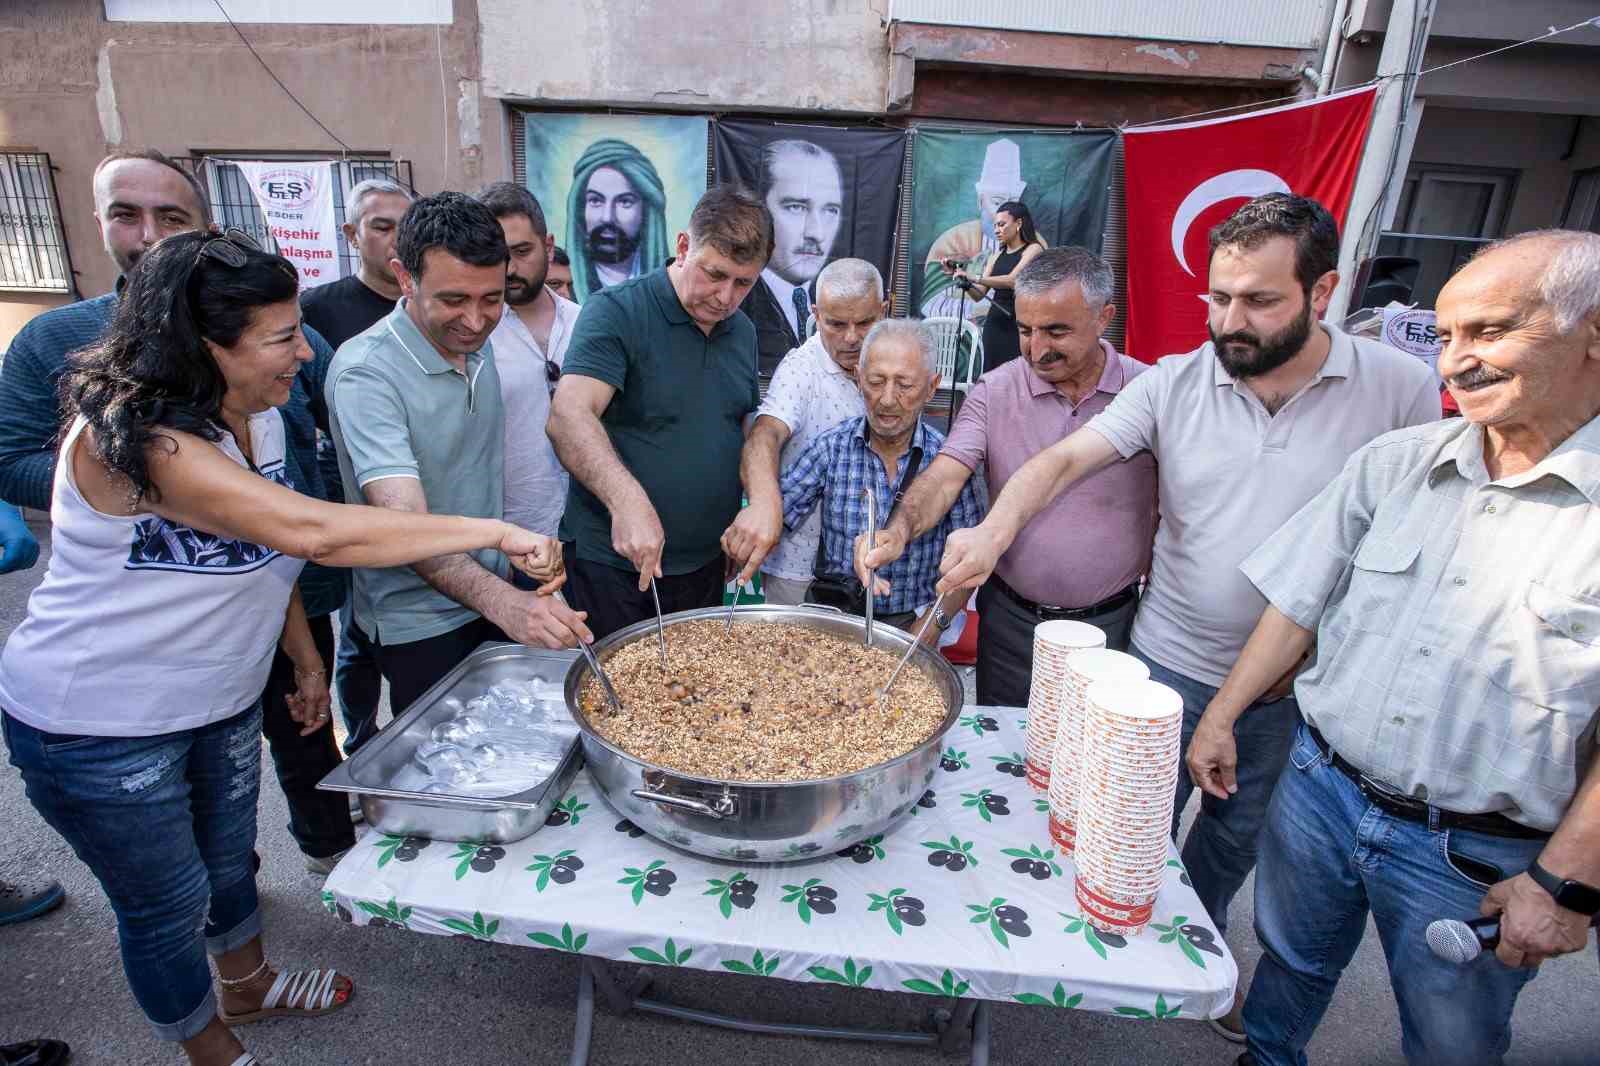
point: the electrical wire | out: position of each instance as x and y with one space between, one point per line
279 80
1594 22
444 105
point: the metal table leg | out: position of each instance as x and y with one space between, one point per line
583 1027
970 1018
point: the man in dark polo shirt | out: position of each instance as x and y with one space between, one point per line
649 415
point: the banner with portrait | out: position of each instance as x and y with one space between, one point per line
834 192
616 189
962 176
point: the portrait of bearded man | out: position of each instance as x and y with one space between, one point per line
616 217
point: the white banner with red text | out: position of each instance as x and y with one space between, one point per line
297 200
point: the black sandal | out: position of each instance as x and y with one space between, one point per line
35 1053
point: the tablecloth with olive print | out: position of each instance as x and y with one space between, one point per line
965 897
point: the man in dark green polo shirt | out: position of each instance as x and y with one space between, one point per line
649 420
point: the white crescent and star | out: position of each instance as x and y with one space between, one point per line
1231 185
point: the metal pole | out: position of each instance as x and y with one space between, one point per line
1382 169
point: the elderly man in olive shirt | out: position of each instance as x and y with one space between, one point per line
1448 761
1067 376
649 420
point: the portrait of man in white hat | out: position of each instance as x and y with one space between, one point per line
971 242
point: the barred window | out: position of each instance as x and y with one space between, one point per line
232 203
33 247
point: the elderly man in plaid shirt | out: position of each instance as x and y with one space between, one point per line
882 452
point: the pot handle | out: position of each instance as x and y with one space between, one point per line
830 608
725 806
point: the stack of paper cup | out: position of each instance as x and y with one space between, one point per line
1083 669
1053 644
1132 732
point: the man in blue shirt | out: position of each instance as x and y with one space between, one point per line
142 197
882 453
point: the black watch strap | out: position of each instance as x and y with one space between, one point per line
1573 895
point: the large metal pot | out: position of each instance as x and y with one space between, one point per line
766 822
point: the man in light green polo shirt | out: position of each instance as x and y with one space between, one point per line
415 408
649 419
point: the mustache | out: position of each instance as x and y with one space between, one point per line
809 246
1478 375
1238 337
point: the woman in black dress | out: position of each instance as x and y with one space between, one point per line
1019 242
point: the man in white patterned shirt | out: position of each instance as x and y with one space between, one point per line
813 390
1448 762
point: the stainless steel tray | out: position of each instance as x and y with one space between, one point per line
372 772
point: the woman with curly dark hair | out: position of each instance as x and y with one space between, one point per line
130 691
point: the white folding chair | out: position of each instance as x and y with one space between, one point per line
950 331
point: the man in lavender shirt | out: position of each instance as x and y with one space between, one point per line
1067 375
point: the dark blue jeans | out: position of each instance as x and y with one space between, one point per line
167 824
355 676
1328 857
1220 850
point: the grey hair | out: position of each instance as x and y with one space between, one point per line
1057 266
356 201
850 279
1570 280
902 329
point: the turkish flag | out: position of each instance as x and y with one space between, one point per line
1183 179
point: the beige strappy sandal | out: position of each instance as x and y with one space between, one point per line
303 994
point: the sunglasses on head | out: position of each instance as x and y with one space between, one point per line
231 248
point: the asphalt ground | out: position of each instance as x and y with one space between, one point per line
432 1000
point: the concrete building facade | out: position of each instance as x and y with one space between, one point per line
436 87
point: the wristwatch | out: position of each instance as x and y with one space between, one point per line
1573 895
943 621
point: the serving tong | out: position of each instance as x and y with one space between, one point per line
911 648
872 537
599 671
661 628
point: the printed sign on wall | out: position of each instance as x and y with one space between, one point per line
297 200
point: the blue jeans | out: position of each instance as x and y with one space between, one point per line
1220 850
167 824
356 677
1328 856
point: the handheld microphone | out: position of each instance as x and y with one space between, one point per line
1461 942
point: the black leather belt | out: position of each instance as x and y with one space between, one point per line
1414 810
1046 612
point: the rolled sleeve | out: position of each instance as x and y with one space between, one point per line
787 396
968 442
1299 567
597 349
801 484
372 426
1129 420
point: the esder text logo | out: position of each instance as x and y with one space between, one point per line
290 188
